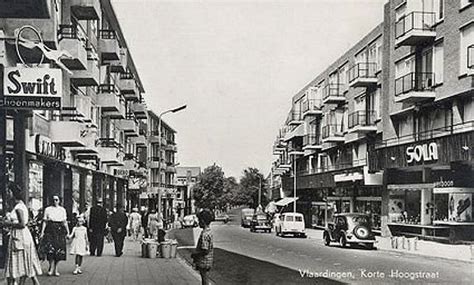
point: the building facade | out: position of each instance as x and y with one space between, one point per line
186 177
387 128
96 143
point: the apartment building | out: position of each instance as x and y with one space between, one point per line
186 177
84 148
387 128
161 166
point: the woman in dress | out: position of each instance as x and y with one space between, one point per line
53 234
22 258
135 223
153 224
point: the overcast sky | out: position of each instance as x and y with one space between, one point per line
236 64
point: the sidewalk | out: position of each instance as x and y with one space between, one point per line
130 268
424 248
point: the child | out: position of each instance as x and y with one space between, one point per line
80 243
204 255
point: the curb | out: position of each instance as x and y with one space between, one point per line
425 255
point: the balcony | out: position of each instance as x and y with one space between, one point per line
415 28
129 127
128 87
154 137
108 45
312 142
363 75
156 162
69 133
332 133
470 60
171 147
312 107
170 167
362 122
294 118
86 9
72 40
91 75
139 109
333 94
119 65
111 103
414 87
139 140
110 152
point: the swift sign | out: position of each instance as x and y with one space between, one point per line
32 88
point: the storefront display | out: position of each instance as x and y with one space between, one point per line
35 180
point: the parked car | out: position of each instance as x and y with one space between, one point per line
222 217
246 217
350 228
260 222
190 221
291 223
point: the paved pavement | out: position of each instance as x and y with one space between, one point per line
360 265
128 269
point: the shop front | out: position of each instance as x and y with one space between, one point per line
428 188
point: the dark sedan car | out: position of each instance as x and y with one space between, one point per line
260 222
350 228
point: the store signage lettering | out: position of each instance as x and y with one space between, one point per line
122 172
424 152
32 88
47 148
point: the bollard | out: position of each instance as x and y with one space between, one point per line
394 242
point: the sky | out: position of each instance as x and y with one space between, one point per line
236 65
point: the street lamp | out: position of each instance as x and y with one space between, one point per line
159 148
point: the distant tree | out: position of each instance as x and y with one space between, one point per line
208 190
249 186
229 193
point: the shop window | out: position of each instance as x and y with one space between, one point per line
35 180
404 206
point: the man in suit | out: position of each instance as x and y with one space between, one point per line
118 226
97 224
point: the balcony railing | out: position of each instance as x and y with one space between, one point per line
420 21
293 116
334 130
414 81
107 34
108 142
362 70
129 156
332 90
362 118
108 88
428 134
311 140
311 105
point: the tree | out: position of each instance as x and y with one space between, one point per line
250 183
229 193
208 190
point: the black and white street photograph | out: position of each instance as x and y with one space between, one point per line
224 142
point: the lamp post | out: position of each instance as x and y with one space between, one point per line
159 152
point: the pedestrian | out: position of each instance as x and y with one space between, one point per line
204 255
53 235
80 243
118 227
97 224
22 258
135 223
153 224
145 214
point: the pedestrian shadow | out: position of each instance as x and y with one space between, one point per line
233 268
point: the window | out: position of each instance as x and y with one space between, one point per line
467 39
438 62
298 219
289 218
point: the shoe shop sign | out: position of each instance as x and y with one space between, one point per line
32 88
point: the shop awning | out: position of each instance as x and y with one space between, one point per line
285 201
297 132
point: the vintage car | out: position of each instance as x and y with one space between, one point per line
351 229
190 221
222 217
291 223
246 217
260 222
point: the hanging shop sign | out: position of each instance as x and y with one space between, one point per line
32 88
47 148
422 153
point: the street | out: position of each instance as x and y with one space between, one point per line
238 252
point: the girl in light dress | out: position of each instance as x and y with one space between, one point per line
80 243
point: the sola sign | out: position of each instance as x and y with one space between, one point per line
32 88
